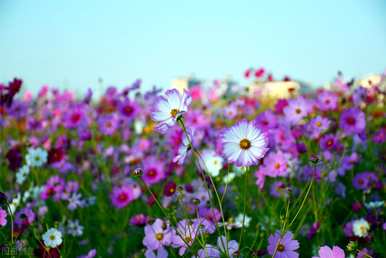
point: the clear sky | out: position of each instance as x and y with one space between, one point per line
72 43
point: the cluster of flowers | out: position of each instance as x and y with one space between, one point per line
201 172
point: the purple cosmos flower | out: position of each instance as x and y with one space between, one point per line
108 124
283 246
129 109
25 216
266 120
157 235
231 248
328 142
317 125
327 100
244 144
296 110
279 189
153 170
184 236
352 121
138 220
364 181
276 164
327 252
74 117
159 253
209 251
3 217
169 107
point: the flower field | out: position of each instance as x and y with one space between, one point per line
219 170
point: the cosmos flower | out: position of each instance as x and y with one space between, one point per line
244 144
360 227
352 121
364 180
169 107
212 163
123 195
317 126
129 109
296 110
157 235
284 245
327 100
230 248
276 164
75 117
279 189
36 157
74 228
328 142
242 220
209 251
52 238
22 174
184 236
327 252
266 120
3 217
185 147
153 170
108 124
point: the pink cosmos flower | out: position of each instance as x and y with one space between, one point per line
123 195
327 252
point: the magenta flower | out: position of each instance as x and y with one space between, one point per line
74 117
352 121
153 170
327 252
283 246
3 217
129 109
123 195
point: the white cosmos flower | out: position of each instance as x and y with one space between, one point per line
36 157
360 227
213 163
169 107
244 144
52 238
22 174
239 220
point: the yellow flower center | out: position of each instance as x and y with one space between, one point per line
52 237
159 236
174 112
245 144
280 248
318 124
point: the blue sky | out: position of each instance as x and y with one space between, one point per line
72 43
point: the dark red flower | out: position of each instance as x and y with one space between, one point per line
14 158
170 188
